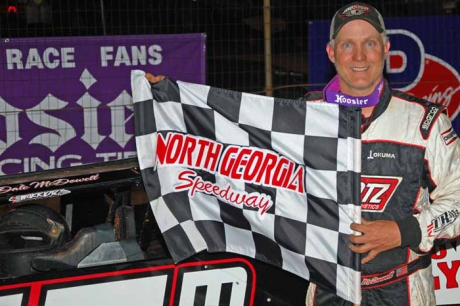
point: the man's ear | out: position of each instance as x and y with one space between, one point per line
386 48
330 52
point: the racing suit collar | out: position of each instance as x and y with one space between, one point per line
380 107
332 94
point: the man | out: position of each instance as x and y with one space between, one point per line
410 186
410 167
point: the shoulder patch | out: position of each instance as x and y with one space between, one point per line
449 136
432 112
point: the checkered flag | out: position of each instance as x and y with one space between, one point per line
274 179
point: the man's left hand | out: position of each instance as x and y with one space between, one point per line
377 236
154 78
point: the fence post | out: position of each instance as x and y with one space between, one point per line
103 17
268 51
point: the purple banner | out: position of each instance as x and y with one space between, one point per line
67 101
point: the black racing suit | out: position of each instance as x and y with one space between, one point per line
410 174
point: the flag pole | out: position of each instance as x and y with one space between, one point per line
268 53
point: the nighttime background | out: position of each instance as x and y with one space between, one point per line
234 30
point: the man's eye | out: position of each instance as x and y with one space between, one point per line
370 43
346 45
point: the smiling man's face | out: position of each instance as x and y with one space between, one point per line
358 54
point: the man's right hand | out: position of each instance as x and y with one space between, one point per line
377 236
154 78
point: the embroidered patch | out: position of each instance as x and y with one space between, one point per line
442 222
355 10
376 192
449 136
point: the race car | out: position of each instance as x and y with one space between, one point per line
86 235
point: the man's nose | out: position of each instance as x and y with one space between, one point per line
359 54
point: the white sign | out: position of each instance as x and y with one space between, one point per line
446 273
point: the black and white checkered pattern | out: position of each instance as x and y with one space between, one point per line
306 234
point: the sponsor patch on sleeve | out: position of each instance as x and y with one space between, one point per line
442 222
449 136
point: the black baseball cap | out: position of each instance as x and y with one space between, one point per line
353 11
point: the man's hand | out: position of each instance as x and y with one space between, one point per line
154 78
377 236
